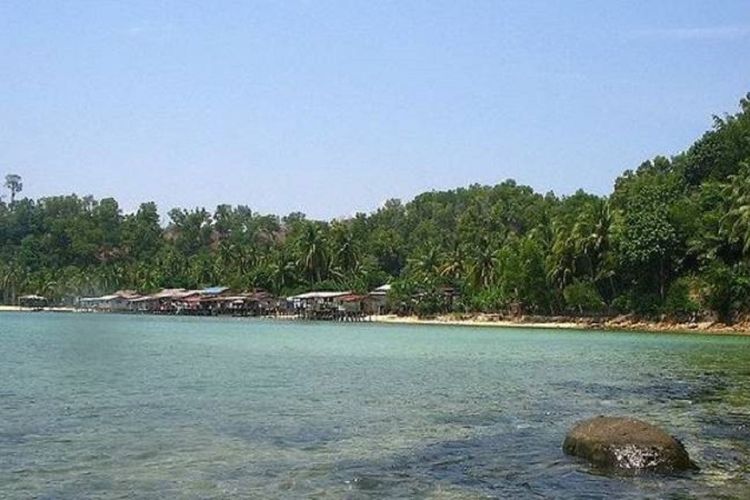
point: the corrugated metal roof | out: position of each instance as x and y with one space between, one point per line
103 298
381 291
318 295
351 298
32 297
168 293
145 298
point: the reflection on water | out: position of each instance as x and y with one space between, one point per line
119 406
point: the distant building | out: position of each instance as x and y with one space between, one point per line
377 300
116 302
351 303
315 301
217 300
33 301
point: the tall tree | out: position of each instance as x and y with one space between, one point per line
14 184
736 222
313 252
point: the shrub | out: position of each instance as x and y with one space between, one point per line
583 297
683 298
727 289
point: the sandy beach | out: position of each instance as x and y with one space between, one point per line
617 323
5 308
473 321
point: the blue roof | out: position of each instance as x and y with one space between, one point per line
215 290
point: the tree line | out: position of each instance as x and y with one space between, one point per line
672 238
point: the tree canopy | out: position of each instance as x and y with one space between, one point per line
672 238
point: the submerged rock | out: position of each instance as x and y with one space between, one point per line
626 444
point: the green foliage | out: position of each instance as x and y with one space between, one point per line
638 302
727 289
583 297
487 300
430 302
648 240
14 184
673 237
719 153
683 298
735 225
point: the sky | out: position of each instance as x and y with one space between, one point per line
330 108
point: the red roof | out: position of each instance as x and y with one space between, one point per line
351 298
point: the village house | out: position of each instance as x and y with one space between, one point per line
377 300
116 302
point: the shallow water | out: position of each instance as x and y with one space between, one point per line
100 406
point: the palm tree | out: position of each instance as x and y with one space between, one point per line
591 236
81 283
453 263
345 251
203 271
427 263
12 280
483 266
736 223
110 277
280 272
562 258
314 259
50 289
145 277
234 261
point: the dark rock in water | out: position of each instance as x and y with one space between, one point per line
626 444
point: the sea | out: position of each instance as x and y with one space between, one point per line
127 406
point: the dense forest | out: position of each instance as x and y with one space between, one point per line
672 239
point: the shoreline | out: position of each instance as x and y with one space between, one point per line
5 308
617 323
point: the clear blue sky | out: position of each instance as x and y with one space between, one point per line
332 107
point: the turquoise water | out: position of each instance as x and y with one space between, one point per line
100 406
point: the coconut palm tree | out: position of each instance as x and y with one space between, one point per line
562 258
280 272
313 252
344 248
12 280
483 265
736 223
453 263
427 263
591 236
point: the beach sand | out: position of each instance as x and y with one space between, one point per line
618 323
474 321
31 309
